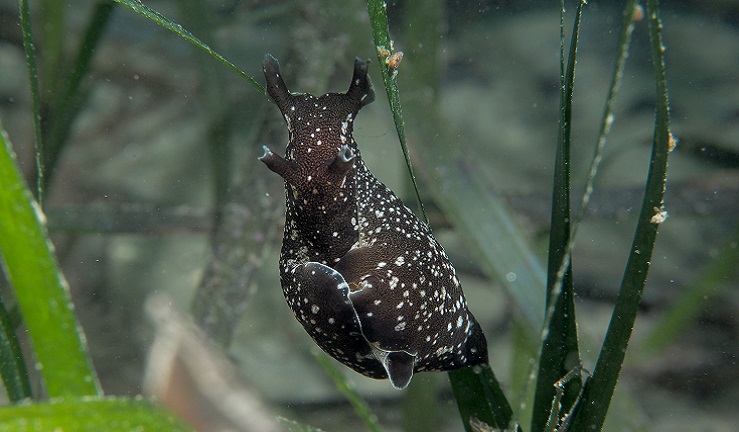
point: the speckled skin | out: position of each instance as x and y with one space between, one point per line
366 279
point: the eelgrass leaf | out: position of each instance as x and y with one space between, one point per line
30 53
12 366
559 351
598 394
90 414
42 293
163 21
347 388
381 33
480 398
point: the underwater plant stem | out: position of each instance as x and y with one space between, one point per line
381 32
12 366
599 392
60 349
33 85
163 21
559 347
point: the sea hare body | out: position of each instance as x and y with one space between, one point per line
366 279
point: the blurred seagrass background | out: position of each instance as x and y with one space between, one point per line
156 188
